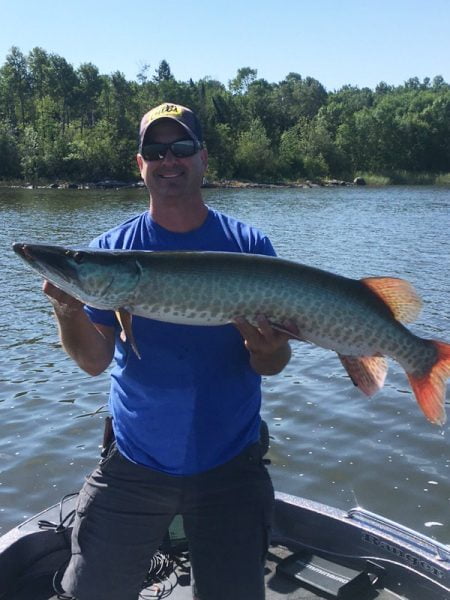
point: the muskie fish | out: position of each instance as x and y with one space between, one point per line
358 319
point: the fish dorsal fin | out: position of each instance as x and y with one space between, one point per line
125 318
398 294
367 372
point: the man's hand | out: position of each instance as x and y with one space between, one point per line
90 345
268 347
60 300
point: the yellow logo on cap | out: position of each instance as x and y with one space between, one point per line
169 110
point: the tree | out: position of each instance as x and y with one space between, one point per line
221 149
39 69
30 154
121 104
254 154
358 140
245 76
90 85
16 86
383 88
10 167
142 76
297 98
63 84
291 162
163 73
261 104
439 83
57 121
413 83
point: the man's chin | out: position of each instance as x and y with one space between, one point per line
167 183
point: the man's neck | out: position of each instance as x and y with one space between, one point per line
179 216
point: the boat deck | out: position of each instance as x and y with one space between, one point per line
176 586
317 553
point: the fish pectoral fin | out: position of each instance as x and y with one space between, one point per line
125 319
366 372
398 294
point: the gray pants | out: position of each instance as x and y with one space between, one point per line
124 511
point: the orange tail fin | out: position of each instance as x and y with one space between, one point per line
430 388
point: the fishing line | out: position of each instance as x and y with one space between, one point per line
162 566
64 522
158 579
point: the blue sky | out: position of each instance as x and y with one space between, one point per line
358 42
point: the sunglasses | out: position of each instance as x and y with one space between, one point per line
180 149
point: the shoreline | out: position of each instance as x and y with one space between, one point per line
367 180
224 184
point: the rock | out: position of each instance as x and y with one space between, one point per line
108 184
359 181
335 182
313 184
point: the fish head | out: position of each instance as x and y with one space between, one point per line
101 278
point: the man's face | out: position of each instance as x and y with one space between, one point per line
172 176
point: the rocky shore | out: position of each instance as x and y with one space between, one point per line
106 184
109 184
302 184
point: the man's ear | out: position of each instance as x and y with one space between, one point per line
140 162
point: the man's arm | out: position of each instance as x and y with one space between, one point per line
91 346
269 348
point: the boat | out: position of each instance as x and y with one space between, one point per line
316 552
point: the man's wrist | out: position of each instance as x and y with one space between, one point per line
264 354
64 310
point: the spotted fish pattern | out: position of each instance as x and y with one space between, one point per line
361 320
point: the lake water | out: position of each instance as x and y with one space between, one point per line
329 442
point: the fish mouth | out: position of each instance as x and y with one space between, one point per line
48 260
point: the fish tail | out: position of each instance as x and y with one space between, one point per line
429 388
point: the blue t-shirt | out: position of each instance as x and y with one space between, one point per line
192 402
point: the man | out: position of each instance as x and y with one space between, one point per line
186 414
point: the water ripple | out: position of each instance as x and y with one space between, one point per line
328 441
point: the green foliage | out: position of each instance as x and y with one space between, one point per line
30 152
240 84
443 179
291 159
374 180
221 162
58 122
9 153
254 154
405 177
15 87
163 72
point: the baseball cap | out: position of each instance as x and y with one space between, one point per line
181 114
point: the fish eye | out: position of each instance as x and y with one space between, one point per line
78 257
